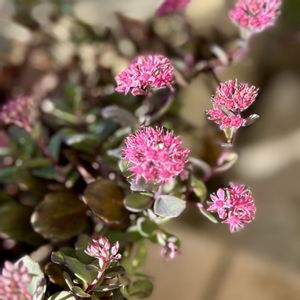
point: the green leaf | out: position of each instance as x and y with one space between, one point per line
79 269
140 288
105 199
37 286
59 216
120 115
55 142
107 288
146 227
208 215
68 280
15 223
79 292
169 206
47 173
199 188
55 274
137 202
228 160
114 271
252 119
4 151
142 186
7 174
64 295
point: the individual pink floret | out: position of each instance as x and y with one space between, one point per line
225 121
172 6
14 282
145 73
234 205
255 15
220 203
155 155
102 250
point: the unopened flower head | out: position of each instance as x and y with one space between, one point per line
102 250
155 155
230 99
255 15
14 282
146 72
234 205
20 112
170 251
172 6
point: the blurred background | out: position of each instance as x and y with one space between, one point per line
41 41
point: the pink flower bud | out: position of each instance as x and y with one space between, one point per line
20 112
14 282
102 250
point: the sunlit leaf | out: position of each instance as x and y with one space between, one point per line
169 206
105 199
59 216
137 202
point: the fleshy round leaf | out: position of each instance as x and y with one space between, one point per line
73 264
137 202
140 288
169 206
55 274
208 215
62 296
59 216
15 223
107 288
199 188
78 291
105 199
226 162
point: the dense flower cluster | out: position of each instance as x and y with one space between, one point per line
14 282
144 74
19 111
255 15
234 205
102 250
230 100
155 155
172 6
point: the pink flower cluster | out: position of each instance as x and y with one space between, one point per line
234 205
172 6
14 282
145 73
102 250
255 15
19 111
155 155
230 100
